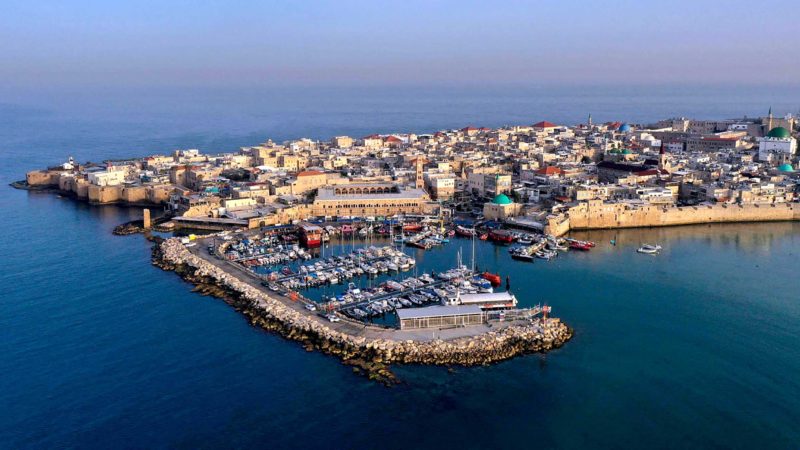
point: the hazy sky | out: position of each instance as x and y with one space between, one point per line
388 42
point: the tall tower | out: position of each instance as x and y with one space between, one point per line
769 121
419 164
662 158
589 122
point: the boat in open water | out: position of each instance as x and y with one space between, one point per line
649 249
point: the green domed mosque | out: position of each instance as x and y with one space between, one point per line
502 199
501 207
778 143
779 133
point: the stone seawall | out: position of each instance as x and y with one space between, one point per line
368 354
594 215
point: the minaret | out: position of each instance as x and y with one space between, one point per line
589 122
769 121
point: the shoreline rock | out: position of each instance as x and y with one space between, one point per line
371 357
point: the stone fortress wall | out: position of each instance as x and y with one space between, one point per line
595 214
82 189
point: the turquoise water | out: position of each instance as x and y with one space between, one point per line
697 347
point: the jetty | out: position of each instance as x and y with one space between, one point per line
481 343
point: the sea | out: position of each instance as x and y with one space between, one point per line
698 347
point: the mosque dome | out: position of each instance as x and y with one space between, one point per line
624 128
779 132
627 152
786 168
502 199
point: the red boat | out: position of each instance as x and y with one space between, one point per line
501 236
484 237
412 227
492 278
310 235
465 232
580 245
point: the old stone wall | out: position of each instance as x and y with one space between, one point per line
598 215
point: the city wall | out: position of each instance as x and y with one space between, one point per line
596 214
82 189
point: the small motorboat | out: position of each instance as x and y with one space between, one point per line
522 254
525 240
649 249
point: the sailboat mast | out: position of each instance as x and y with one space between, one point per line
473 253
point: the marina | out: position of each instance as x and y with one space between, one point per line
366 274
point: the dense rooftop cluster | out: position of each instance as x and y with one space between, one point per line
530 171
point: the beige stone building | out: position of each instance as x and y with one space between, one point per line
501 208
378 199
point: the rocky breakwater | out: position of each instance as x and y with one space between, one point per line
369 356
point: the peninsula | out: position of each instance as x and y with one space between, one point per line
261 216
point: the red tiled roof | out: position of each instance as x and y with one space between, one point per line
372 136
393 139
544 124
550 170
308 173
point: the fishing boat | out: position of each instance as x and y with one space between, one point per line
501 236
546 255
493 278
580 245
649 249
464 232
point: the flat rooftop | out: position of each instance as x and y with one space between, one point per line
409 194
438 311
504 297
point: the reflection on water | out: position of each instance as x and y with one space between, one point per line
748 237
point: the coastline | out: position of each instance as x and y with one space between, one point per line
370 355
22 185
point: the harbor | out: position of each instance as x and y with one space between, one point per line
368 275
451 316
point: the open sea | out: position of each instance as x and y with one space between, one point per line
698 347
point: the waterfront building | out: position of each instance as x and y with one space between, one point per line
487 301
110 177
440 316
500 208
374 199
